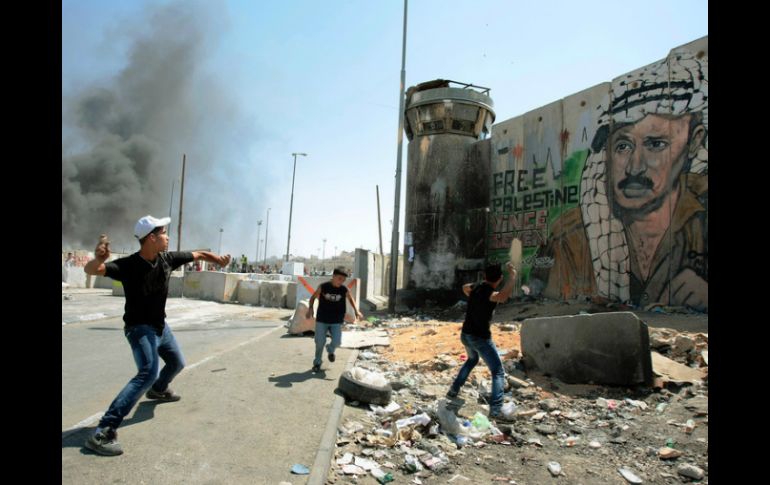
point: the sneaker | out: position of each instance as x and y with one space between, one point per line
500 418
105 442
451 394
332 357
316 367
168 395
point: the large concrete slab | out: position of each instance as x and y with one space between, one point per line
212 285
248 292
273 293
606 348
291 294
299 322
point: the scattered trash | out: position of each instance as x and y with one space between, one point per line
299 469
554 468
424 434
629 475
480 422
690 471
353 470
668 453
381 476
387 410
346 459
508 410
458 477
419 419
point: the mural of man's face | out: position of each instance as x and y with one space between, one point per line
646 158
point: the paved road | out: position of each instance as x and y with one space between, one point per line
250 407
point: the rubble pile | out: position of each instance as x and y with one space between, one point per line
583 432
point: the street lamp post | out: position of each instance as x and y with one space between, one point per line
291 204
220 240
323 256
267 226
259 230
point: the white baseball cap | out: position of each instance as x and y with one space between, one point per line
147 224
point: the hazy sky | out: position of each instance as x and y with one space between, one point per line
240 85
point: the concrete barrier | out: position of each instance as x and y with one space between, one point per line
299 323
606 348
291 294
212 285
278 277
273 294
175 285
103 282
248 291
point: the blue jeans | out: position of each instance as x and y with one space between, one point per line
148 348
320 339
475 347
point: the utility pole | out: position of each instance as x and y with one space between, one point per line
395 237
291 205
259 230
382 252
181 205
323 255
267 227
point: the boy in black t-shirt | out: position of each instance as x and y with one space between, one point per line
145 276
331 314
476 337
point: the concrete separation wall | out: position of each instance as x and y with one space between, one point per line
561 183
606 348
369 267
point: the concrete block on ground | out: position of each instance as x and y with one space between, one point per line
193 282
293 268
606 348
103 282
248 291
273 294
299 322
291 294
175 285
212 285
376 303
279 277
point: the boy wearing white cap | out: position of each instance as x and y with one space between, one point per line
145 276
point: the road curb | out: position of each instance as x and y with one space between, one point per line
323 459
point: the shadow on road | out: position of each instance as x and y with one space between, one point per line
288 380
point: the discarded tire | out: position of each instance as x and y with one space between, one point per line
357 390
